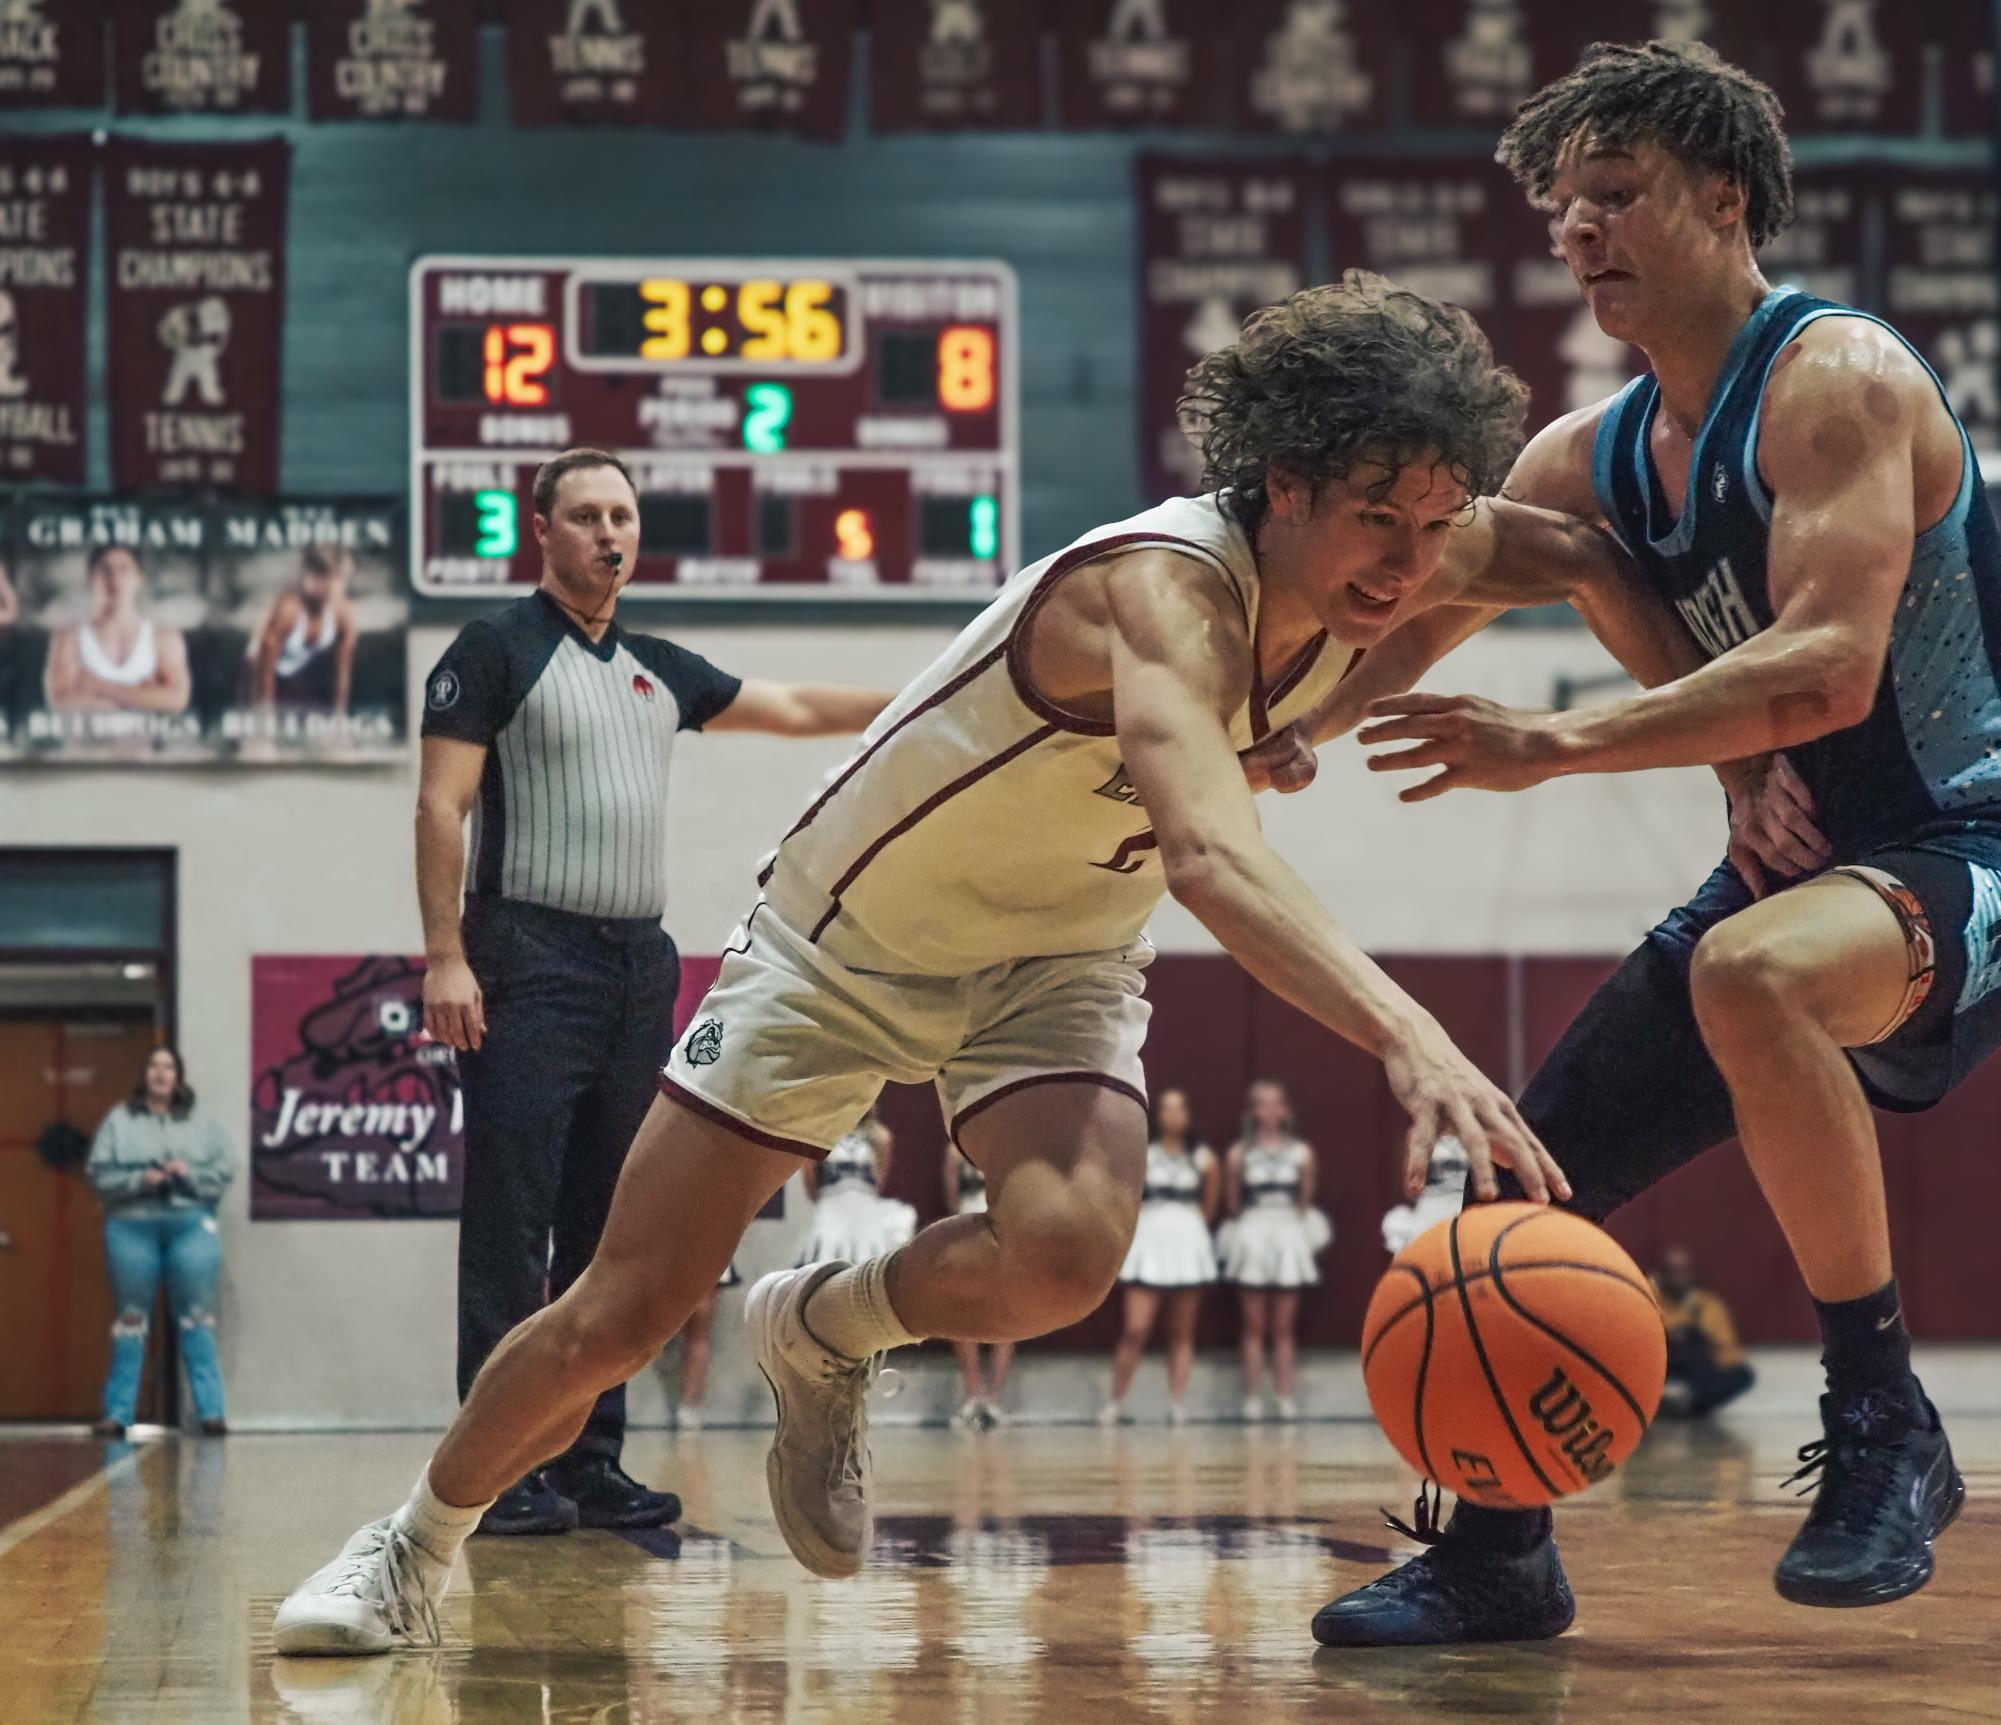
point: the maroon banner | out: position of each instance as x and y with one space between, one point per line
1311 66
1822 250
1847 65
1965 32
1218 239
44 266
772 64
1473 62
195 234
1547 332
203 56
52 54
1137 63
1427 226
947 65
1940 290
596 62
392 59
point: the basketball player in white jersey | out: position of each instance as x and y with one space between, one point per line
119 659
313 620
965 904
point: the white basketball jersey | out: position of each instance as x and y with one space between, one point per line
135 668
978 823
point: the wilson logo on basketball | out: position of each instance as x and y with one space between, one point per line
642 688
1560 1409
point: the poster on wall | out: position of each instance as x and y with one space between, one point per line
595 63
244 633
202 56
52 54
355 1113
778 65
1128 63
1218 239
952 65
392 59
1940 291
195 234
1311 66
44 270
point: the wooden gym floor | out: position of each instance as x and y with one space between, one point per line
1038 1574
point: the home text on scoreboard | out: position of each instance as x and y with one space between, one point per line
798 428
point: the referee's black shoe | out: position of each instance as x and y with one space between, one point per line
606 1496
1887 1488
530 1505
1484 1578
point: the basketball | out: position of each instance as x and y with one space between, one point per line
1514 1354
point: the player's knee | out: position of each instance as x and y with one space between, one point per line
1064 1265
614 1326
1736 980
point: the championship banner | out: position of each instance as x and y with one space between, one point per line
1847 65
1940 291
1545 331
1966 67
44 266
1137 63
1311 66
596 63
247 634
949 65
1427 226
1822 251
195 234
392 59
52 54
355 1113
774 64
110 599
203 56
1218 239
1473 62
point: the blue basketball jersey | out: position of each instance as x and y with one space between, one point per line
1926 763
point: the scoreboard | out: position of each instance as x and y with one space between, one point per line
798 428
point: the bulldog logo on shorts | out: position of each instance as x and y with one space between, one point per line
704 1046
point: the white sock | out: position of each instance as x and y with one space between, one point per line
437 1527
850 1312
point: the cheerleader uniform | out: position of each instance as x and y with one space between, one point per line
1273 1243
852 1221
1171 1246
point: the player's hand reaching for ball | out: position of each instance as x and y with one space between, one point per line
454 1008
1445 1094
1284 761
1482 745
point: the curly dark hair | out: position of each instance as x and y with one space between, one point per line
1353 371
1706 113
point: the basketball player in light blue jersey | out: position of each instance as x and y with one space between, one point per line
1793 480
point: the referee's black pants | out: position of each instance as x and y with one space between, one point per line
579 1021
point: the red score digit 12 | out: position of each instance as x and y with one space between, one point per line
518 356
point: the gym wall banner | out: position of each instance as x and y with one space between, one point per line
771 65
52 54
1303 66
195 234
595 63
44 276
202 56
413 60
970 64
248 633
1138 63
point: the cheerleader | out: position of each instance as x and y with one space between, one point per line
1172 1259
966 1195
1271 1241
687 1412
1444 1192
852 1221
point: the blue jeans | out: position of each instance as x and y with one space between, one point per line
183 1248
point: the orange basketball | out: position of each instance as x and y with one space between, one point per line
1514 1354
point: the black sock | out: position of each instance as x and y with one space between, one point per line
1864 1344
1512 1531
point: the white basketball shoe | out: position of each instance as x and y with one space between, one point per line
380 1594
818 1471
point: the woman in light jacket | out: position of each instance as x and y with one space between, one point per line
160 1165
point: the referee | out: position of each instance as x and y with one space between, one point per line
553 727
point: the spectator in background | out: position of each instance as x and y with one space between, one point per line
1270 1244
160 1165
1705 1361
852 1221
687 1410
118 659
966 1195
10 606
1172 1257
1443 1195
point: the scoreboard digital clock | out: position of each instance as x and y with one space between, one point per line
798 428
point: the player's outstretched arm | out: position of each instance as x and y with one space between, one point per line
1181 658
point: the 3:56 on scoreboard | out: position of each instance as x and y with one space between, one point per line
798 428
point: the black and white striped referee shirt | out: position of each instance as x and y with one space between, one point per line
572 806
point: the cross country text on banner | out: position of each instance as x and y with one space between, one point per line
202 56
44 269
195 236
392 59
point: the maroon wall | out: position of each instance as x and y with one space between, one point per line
1214 1031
